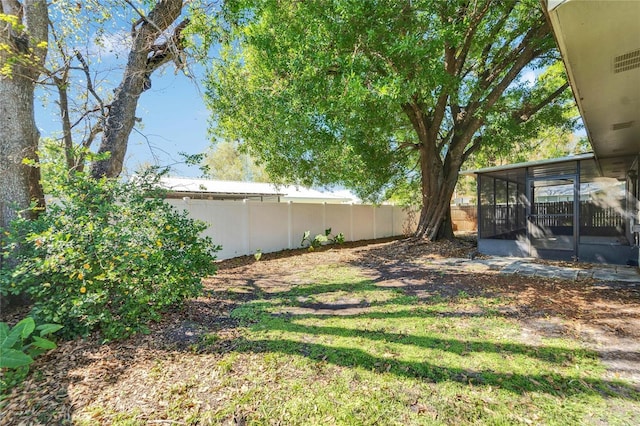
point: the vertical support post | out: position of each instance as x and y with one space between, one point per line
576 213
478 207
508 213
393 220
528 208
351 222
324 216
375 225
247 233
289 225
495 208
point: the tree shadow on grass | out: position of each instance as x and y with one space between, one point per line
279 313
553 384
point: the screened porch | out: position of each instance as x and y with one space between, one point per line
574 208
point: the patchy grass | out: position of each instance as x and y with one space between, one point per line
362 335
338 349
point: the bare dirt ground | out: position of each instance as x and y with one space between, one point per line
604 315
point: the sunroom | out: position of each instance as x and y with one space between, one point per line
572 208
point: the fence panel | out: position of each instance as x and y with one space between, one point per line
362 225
384 221
269 227
465 218
306 217
338 218
242 227
228 223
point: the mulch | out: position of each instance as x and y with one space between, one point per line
83 371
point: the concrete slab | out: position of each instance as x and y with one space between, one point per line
566 274
611 275
511 268
584 274
528 267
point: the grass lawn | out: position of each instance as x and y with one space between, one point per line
331 344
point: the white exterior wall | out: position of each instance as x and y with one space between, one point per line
242 227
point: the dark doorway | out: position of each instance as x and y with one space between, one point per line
552 217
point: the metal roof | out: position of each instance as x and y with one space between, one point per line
552 161
240 190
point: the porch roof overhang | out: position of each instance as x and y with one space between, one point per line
538 164
600 45
591 168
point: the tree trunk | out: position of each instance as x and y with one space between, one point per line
144 58
438 183
19 182
19 136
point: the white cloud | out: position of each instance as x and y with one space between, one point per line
110 45
530 78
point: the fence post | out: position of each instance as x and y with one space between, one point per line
290 224
393 220
324 215
375 225
247 221
350 221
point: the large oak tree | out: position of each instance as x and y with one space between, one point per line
373 94
23 49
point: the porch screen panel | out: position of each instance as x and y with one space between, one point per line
517 208
487 204
603 206
502 208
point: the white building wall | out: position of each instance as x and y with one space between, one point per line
243 227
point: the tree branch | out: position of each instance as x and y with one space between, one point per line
61 84
12 7
85 68
461 56
527 111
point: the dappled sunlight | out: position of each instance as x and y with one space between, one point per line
410 339
376 338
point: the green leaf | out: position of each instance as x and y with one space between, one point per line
13 358
27 325
4 331
321 238
46 329
39 342
305 237
11 338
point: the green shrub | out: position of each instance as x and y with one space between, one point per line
320 239
106 255
19 346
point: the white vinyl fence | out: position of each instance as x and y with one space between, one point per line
243 227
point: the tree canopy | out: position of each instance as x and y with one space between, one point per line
226 162
378 94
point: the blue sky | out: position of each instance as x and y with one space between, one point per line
173 112
174 119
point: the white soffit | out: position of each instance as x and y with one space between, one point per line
600 44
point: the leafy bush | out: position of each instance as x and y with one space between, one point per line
19 346
106 255
321 239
